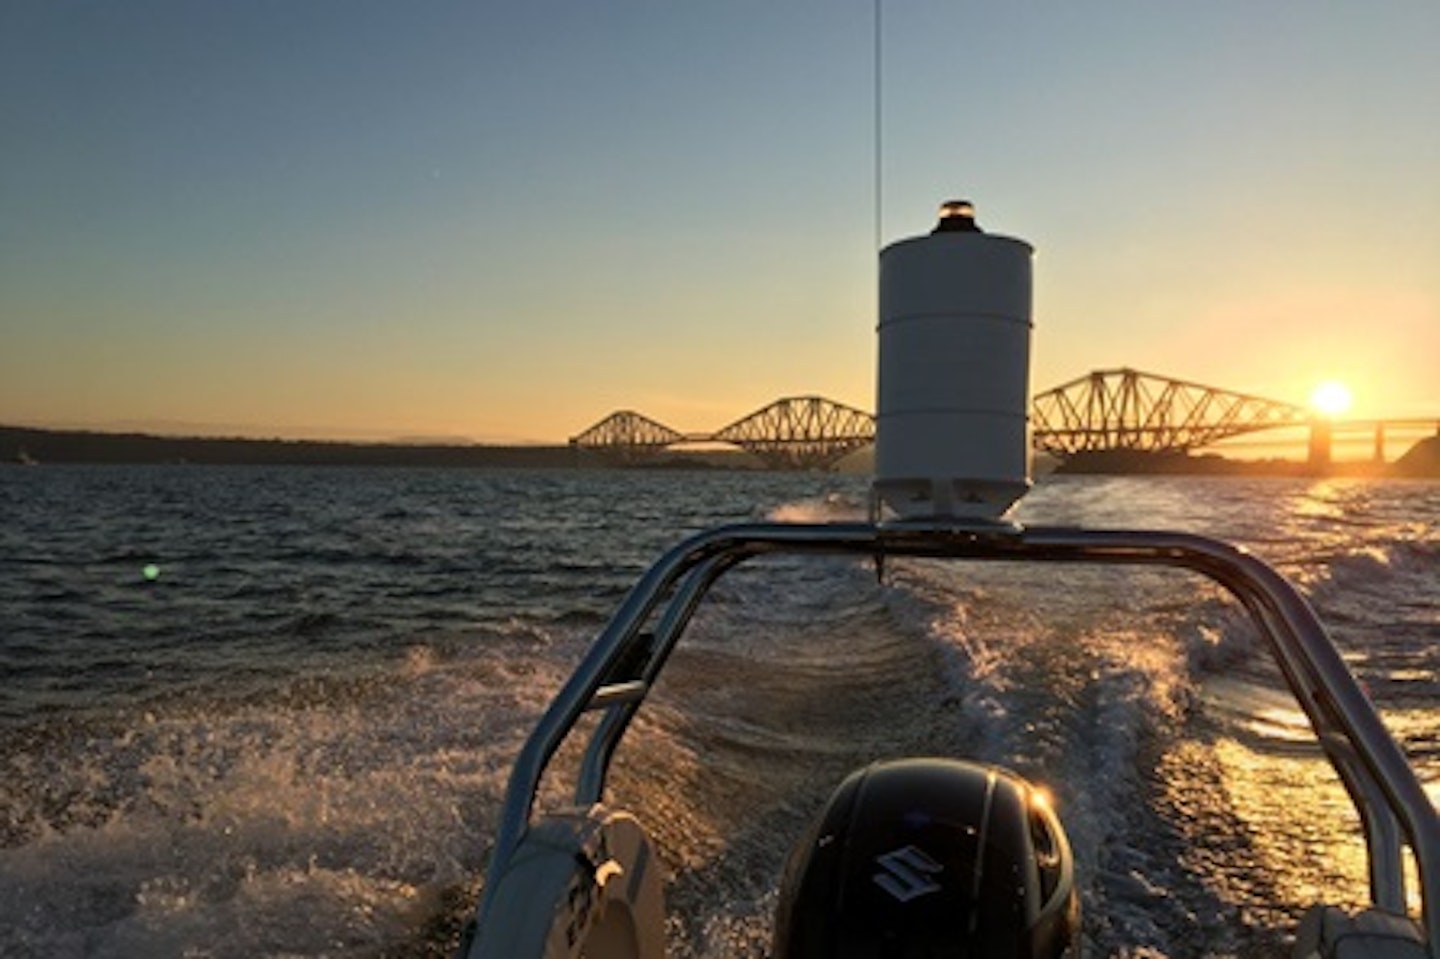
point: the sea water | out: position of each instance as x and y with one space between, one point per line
271 711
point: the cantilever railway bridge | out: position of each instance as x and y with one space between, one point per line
1106 410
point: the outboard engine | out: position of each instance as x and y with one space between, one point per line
929 858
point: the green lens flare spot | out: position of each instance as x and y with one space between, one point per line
151 572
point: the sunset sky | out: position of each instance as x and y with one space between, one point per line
503 221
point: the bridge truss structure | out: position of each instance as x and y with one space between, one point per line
798 432
1125 409
801 432
1106 410
627 436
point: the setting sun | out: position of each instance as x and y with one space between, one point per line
1331 398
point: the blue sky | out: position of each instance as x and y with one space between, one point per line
502 222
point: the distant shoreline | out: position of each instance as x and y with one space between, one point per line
39 446
31 445
83 446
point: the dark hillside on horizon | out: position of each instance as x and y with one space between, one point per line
1422 459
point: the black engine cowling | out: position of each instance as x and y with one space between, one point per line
929 858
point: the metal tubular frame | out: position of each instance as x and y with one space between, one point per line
1393 806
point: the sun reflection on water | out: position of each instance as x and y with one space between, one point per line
1264 807
1302 825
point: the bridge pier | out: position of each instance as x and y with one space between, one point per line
1320 445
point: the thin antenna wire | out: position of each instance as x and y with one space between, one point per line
879 153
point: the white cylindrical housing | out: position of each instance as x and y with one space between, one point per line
952 411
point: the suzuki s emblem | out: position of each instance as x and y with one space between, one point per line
905 873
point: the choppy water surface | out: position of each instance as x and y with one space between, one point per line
271 711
